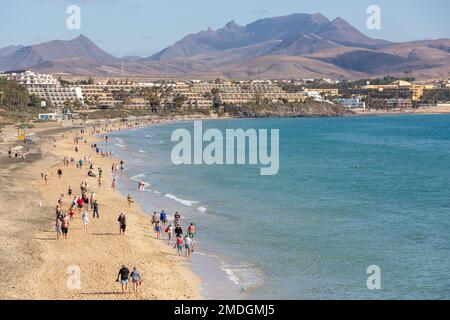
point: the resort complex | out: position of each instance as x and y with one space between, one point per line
146 94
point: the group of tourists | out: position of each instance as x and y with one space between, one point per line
186 242
86 203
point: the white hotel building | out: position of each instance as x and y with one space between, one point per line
48 88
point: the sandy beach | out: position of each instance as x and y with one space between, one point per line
35 265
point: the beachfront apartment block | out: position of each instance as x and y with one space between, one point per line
109 94
390 104
135 93
352 103
48 88
57 95
416 90
239 92
324 91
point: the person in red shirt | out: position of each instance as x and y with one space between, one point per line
80 204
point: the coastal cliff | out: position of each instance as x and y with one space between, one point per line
290 110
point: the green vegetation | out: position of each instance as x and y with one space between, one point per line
436 96
344 86
16 105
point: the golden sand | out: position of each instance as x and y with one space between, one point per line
34 265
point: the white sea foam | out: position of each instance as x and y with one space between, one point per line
138 177
201 209
245 276
120 145
142 151
188 203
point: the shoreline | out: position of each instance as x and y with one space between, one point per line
98 254
216 282
43 260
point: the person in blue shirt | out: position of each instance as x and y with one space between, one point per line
163 218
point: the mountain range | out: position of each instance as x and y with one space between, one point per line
292 46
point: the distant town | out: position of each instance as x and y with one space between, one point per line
68 97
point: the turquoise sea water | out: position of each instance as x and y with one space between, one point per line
350 193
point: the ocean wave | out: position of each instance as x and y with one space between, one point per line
142 151
146 185
138 177
120 145
245 276
149 136
202 209
188 203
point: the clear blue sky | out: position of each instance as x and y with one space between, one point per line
128 27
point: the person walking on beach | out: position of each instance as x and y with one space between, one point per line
130 200
177 218
158 229
113 185
123 277
58 227
179 244
122 223
169 231
71 213
188 247
191 232
65 226
155 219
136 279
60 173
85 202
163 218
80 204
95 210
85 219
178 231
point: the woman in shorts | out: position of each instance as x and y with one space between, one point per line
136 279
158 229
179 245
188 247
